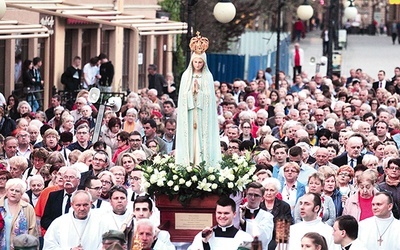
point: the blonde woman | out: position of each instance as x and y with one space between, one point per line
19 216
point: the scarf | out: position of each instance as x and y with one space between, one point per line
392 182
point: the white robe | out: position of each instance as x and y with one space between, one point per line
368 233
357 245
61 234
264 221
221 243
297 231
164 241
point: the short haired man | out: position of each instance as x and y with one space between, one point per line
24 147
281 153
83 142
156 80
119 217
310 206
136 143
99 163
224 234
169 134
93 186
146 231
80 229
352 155
233 147
143 209
296 155
381 231
59 202
252 216
322 159
55 102
345 231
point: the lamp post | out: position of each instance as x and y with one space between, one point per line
224 12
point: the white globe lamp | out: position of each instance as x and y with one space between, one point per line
305 11
350 12
224 11
3 8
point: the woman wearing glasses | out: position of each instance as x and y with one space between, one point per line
108 181
292 190
392 182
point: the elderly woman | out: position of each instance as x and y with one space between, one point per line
153 146
120 176
18 164
344 177
292 190
50 140
36 186
55 122
110 134
392 101
108 181
316 183
19 216
4 177
392 181
390 151
23 108
359 205
130 121
278 208
67 124
331 189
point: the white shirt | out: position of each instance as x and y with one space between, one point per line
371 228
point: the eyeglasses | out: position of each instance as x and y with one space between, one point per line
25 135
97 159
135 178
250 195
3 178
96 188
391 101
344 174
393 168
106 182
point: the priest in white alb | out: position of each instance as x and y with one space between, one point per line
77 230
382 231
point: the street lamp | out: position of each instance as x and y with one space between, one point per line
224 12
304 12
351 11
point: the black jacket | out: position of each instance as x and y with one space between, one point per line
67 78
157 82
7 126
107 74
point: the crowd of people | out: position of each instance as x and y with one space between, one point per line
326 152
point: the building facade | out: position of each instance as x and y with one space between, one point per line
126 30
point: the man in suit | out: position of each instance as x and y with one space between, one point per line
100 162
352 155
345 232
59 202
381 83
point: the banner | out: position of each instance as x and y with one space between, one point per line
394 1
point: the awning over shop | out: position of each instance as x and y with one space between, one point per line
87 14
11 29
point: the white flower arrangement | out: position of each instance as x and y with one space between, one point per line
164 177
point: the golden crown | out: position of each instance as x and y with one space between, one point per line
198 44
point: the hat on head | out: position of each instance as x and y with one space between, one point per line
156 113
114 235
26 242
44 128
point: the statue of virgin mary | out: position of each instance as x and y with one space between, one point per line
197 135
